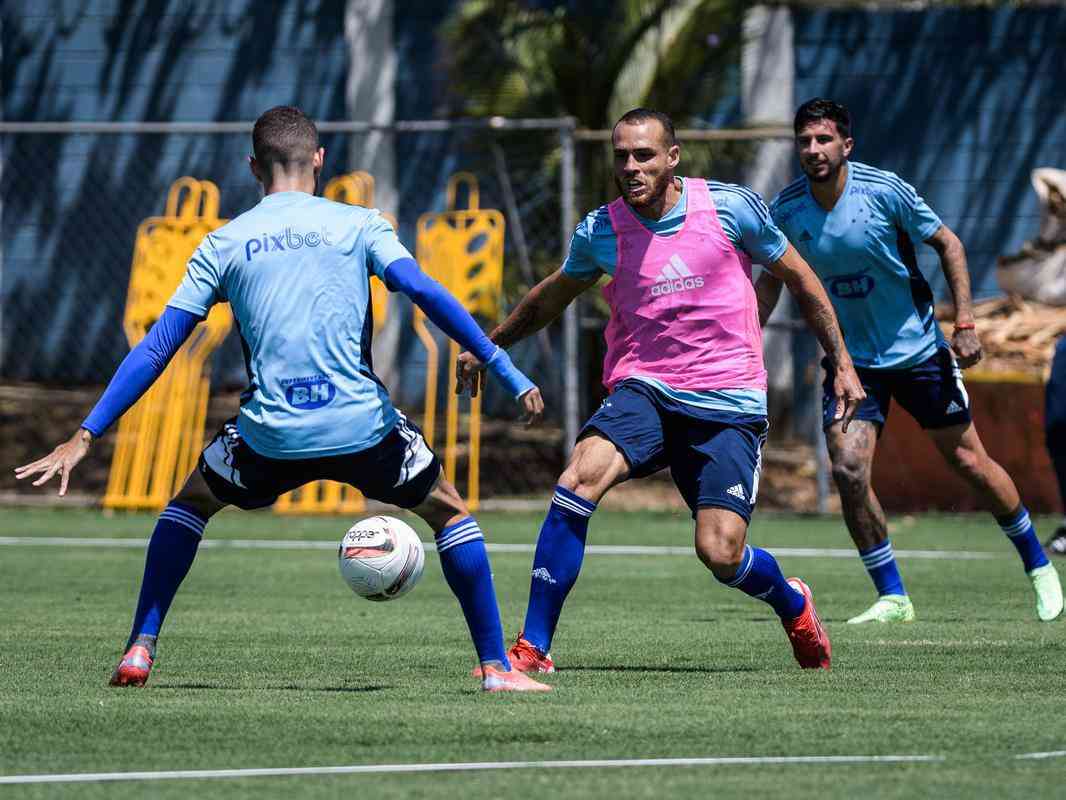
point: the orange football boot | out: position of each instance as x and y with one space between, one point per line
526 657
810 642
134 667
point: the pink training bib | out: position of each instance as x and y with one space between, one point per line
683 308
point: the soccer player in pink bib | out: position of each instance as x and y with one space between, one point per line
684 367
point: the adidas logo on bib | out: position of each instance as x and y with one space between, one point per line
737 491
675 277
954 408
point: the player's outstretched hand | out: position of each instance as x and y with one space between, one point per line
849 395
533 404
62 460
469 374
967 347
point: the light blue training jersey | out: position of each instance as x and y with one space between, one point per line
295 270
747 224
864 252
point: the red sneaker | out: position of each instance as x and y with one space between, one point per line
496 680
134 667
810 642
526 657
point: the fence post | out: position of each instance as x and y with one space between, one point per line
567 187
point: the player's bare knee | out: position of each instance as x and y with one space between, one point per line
443 506
720 548
851 475
595 466
197 496
966 461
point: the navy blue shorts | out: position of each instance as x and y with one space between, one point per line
714 456
400 469
932 392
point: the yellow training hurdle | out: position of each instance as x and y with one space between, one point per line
160 438
463 249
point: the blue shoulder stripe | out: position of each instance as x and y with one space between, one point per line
888 178
909 198
799 183
789 193
751 198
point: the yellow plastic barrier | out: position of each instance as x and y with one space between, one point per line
159 439
322 497
463 249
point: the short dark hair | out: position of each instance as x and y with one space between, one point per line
639 115
284 136
819 109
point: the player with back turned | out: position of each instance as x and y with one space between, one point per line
313 410
685 370
857 226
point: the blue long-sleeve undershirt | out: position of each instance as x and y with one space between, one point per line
448 314
139 370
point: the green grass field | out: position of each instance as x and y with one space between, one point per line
268 660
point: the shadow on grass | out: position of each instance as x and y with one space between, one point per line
289 688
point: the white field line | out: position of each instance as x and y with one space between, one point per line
98 777
592 549
1040 756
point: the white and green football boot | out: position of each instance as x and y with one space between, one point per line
1048 591
888 608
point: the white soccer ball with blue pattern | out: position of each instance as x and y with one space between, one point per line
381 558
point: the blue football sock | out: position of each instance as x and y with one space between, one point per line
880 562
556 564
171 551
466 568
1019 529
760 577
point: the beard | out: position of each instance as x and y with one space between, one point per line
651 192
818 177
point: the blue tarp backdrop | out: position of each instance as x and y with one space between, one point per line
962 103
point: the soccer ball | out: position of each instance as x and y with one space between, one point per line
381 558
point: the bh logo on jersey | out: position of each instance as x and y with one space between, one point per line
287 240
309 393
856 286
675 277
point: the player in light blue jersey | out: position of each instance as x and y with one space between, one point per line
295 270
858 227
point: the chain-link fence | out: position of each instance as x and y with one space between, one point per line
74 194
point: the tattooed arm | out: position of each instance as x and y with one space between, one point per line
545 301
814 303
952 254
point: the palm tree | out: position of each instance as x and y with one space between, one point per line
593 60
